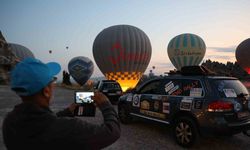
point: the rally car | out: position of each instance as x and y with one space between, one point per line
193 103
111 89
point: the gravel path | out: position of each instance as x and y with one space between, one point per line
139 135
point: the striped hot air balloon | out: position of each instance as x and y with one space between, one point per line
122 53
186 50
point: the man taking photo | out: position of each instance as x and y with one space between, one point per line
32 125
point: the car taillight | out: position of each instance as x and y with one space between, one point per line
220 106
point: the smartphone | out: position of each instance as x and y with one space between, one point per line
86 104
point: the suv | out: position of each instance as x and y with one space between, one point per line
193 103
110 88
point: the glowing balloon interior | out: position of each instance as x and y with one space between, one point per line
122 53
186 50
242 55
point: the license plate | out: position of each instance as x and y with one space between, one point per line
243 114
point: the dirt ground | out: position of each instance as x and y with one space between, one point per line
138 135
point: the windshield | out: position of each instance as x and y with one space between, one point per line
230 88
107 86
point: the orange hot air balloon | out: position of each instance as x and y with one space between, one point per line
122 53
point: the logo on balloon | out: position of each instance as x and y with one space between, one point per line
124 56
179 52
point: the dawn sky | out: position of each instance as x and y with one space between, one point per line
43 25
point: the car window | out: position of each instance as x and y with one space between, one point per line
183 87
151 88
230 88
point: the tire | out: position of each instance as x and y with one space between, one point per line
124 116
185 131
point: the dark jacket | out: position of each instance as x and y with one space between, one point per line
31 127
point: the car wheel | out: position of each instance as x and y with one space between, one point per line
124 115
185 131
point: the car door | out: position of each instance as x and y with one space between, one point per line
148 101
184 95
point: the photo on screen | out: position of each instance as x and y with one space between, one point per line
84 97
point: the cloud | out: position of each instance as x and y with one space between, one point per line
160 67
218 57
221 54
163 65
230 49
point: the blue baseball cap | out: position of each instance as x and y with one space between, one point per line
31 75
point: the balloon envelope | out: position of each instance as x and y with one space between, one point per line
242 55
122 53
186 50
81 69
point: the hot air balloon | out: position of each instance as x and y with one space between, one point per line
186 50
81 68
122 53
20 51
242 55
50 51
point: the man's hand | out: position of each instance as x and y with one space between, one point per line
99 98
68 112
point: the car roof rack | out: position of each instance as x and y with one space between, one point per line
196 70
192 70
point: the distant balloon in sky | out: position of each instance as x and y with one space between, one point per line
50 51
186 50
122 53
81 69
242 55
67 47
21 52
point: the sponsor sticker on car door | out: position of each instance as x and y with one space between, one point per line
136 100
